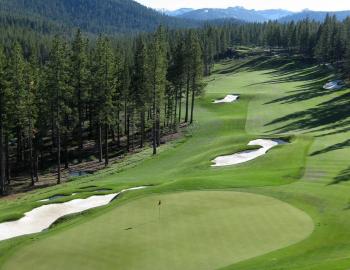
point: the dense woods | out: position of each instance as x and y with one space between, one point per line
59 95
99 91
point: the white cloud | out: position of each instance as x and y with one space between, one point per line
294 5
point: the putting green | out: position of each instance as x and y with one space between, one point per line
196 230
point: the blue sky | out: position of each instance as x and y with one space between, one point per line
294 5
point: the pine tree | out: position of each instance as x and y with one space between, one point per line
177 76
3 111
106 91
208 52
32 84
196 72
140 84
17 87
80 84
187 68
58 83
157 74
127 100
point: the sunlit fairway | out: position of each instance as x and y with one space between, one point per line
287 209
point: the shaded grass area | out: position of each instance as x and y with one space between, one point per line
327 116
343 176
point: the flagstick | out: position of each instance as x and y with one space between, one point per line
159 212
159 206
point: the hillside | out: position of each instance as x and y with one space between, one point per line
94 16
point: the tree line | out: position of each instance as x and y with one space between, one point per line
101 91
326 42
122 91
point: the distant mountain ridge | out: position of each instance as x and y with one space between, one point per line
175 13
252 15
315 15
239 13
93 16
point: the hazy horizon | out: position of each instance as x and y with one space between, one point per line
295 5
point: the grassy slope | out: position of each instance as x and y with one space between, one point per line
291 100
134 237
288 98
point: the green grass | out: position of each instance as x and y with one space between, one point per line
206 229
279 97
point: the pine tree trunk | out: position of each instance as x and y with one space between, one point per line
53 139
19 145
113 135
31 161
58 153
91 125
165 114
118 129
180 107
81 146
142 131
7 158
106 145
2 156
187 98
192 103
125 116
154 128
132 130
170 114
127 131
99 139
36 162
175 109
41 159
66 152
158 129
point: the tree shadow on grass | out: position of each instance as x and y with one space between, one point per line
325 116
282 65
298 70
305 92
331 148
244 65
342 127
344 176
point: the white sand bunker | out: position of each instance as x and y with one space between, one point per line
44 216
248 155
334 85
227 99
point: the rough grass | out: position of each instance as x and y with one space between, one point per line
279 97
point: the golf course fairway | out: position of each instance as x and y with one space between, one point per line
287 209
206 229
